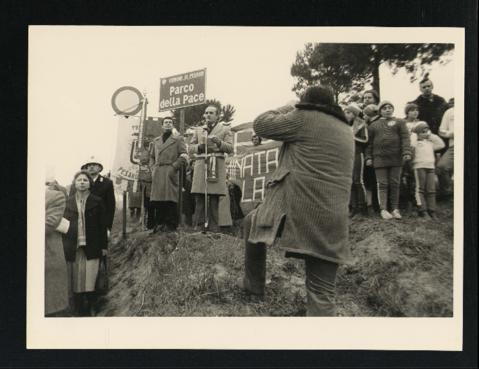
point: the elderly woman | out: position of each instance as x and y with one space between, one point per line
306 203
85 241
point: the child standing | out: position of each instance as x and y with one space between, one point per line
412 112
408 187
360 131
424 144
387 151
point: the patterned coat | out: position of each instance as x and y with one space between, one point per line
223 132
310 189
388 142
165 160
56 280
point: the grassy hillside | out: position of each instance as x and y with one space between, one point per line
400 268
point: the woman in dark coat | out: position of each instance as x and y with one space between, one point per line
85 242
307 198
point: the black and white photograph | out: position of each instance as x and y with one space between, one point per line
257 179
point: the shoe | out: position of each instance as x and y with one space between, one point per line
386 215
396 214
432 215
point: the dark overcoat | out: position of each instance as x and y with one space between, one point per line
56 285
310 189
165 161
223 132
95 228
103 188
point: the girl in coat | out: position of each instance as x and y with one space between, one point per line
388 150
85 241
360 131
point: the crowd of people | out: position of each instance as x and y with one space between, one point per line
78 226
401 162
334 162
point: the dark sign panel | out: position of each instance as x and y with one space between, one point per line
183 90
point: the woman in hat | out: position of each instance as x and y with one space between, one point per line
85 241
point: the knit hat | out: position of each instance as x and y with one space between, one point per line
384 103
410 106
371 110
419 127
353 108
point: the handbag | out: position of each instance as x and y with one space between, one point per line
101 285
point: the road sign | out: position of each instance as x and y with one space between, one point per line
183 90
127 101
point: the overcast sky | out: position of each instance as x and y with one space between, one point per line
74 71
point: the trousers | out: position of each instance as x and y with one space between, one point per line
213 210
425 189
320 277
388 179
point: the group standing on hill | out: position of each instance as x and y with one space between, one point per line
333 162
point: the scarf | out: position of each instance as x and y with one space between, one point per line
81 202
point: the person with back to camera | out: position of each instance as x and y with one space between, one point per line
85 241
424 144
306 201
387 151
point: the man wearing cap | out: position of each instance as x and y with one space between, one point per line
217 140
102 187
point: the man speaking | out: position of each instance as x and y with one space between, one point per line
306 202
210 143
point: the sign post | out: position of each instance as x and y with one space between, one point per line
179 92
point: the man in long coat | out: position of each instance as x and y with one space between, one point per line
219 140
307 197
167 154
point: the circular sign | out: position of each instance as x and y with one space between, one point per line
127 100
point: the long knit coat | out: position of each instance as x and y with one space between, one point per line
223 132
310 189
56 285
165 160
388 142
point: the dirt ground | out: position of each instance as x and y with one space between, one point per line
400 268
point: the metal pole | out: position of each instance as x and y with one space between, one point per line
181 172
124 215
206 181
